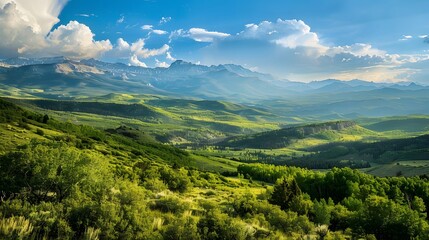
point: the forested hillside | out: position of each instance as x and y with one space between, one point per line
66 181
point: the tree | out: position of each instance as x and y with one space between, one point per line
285 191
322 212
45 119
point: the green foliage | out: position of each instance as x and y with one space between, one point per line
40 132
322 212
216 225
184 228
78 182
389 220
48 173
170 204
15 228
176 179
285 192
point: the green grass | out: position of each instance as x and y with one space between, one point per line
400 168
194 121
214 164
170 124
412 124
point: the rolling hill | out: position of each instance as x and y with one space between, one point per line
169 120
284 137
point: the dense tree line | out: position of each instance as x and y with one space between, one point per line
389 208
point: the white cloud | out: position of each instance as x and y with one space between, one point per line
41 17
18 33
169 57
121 19
134 61
76 40
147 27
176 34
161 64
122 45
25 30
138 48
423 36
357 49
297 35
290 49
405 37
164 20
159 32
198 35
87 15
287 33
202 35
135 51
151 30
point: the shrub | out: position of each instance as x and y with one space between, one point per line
15 228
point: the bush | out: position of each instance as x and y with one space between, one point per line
40 132
170 204
15 228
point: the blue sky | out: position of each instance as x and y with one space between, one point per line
297 40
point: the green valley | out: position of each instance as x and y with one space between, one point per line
133 161
65 181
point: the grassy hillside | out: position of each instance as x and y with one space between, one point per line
284 137
381 157
405 124
109 109
168 120
65 181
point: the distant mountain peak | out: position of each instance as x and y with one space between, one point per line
22 61
181 63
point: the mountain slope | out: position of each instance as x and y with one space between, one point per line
283 137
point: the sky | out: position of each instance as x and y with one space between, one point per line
373 40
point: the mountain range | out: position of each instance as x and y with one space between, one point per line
330 99
61 77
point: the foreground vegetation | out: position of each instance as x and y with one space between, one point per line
66 181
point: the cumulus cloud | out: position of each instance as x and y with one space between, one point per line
134 53
290 49
39 17
26 30
76 40
134 61
138 48
287 33
18 33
